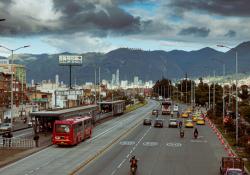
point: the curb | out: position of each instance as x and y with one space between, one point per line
227 147
106 147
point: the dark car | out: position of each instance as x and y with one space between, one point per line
147 121
155 112
158 123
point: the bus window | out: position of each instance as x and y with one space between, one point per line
62 128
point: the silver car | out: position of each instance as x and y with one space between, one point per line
5 127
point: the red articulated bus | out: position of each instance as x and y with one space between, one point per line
72 131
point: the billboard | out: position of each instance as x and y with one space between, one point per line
69 92
67 60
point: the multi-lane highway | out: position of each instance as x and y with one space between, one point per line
161 151
64 160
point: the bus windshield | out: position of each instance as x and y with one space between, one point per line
62 128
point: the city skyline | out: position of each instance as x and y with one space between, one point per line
150 25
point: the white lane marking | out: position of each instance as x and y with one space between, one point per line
174 144
150 144
127 143
119 166
103 133
131 151
113 172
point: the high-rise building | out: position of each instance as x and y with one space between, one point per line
57 79
136 80
113 80
117 77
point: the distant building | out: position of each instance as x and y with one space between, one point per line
57 79
124 84
113 81
136 81
117 77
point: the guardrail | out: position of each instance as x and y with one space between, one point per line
17 143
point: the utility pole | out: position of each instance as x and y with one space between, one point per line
209 93
214 95
95 86
194 94
186 89
236 98
99 88
223 96
191 95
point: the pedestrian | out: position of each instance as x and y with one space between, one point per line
10 135
36 138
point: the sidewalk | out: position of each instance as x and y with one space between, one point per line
10 155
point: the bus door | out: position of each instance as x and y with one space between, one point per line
87 128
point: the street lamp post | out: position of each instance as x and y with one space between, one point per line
11 84
214 95
236 93
223 98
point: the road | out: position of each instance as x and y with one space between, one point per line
161 151
63 160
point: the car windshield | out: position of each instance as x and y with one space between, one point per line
172 120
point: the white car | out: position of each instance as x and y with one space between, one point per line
173 123
176 108
5 127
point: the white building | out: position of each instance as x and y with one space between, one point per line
117 77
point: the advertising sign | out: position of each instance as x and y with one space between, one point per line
67 60
69 92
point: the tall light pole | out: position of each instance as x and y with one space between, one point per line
236 93
209 94
223 96
214 95
11 83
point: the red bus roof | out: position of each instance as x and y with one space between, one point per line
72 120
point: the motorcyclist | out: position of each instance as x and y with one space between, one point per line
196 132
133 162
180 124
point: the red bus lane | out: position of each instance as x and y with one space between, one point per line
72 131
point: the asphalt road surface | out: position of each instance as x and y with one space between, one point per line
161 151
64 160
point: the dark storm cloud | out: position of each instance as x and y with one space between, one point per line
221 7
77 16
195 31
230 34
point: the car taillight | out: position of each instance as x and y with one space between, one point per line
57 137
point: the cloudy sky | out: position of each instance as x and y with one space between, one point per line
53 26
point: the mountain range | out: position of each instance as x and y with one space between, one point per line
148 65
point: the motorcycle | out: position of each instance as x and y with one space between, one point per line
133 170
195 135
181 133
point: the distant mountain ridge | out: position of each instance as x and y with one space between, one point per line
148 65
